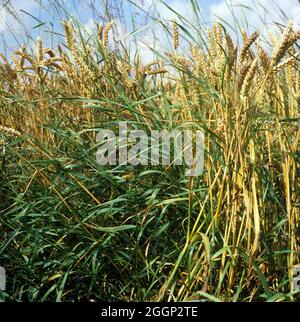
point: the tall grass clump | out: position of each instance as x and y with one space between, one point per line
74 230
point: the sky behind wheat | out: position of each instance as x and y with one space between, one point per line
34 17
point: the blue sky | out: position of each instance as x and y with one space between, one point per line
43 16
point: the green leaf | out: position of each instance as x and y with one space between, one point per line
115 229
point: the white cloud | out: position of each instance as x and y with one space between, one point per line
181 7
154 36
90 26
251 14
2 18
146 38
256 14
22 10
261 15
16 23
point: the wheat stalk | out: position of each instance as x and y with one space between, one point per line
100 29
156 71
285 63
106 34
249 77
175 34
9 131
289 37
247 44
69 33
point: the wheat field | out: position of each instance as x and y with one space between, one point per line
73 230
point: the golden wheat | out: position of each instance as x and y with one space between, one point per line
289 37
9 131
246 46
175 34
106 33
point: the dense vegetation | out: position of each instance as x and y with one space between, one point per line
74 230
